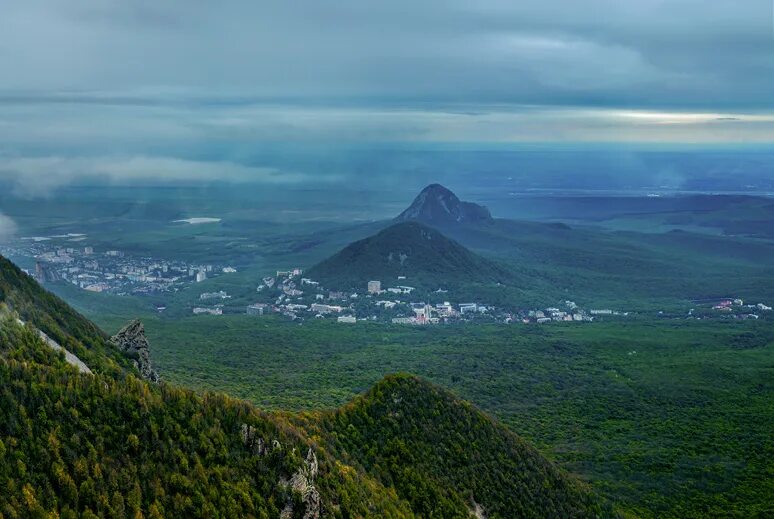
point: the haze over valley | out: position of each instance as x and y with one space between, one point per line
396 260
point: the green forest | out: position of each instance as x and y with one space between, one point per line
667 418
109 444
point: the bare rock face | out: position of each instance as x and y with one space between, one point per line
477 511
132 341
303 483
436 205
252 441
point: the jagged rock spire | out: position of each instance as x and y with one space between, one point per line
132 341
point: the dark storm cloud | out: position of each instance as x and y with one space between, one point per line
142 90
645 53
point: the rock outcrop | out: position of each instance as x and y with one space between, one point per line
69 357
132 341
436 205
302 482
251 441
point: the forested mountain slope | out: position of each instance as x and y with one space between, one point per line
446 457
420 253
57 319
93 445
106 443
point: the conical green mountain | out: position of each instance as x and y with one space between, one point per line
447 458
420 253
103 442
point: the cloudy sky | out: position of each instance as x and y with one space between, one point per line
139 89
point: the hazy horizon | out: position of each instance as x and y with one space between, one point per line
122 93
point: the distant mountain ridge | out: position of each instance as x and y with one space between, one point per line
410 249
438 206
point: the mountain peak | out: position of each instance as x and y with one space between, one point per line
439 189
438 205
446 444
406 248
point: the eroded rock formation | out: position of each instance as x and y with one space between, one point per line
303 483
132 341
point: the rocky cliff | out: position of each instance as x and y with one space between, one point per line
437 205
132 341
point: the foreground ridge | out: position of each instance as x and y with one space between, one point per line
416 435
112 444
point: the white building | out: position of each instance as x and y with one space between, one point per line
214 295
374 287
256 309
210 311
400 290
346 319
326 309
421 312
445 309
468 308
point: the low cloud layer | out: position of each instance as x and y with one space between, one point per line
147 91
44 147
40 176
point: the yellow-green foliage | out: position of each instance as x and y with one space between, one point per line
445 456
111 445
53 316
83 446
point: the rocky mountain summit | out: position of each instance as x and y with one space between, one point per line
437 205
132 341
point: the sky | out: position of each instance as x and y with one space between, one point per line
138 90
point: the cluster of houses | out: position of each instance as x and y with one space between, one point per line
570 312
733 308
297 297
728 305
440 312
110 271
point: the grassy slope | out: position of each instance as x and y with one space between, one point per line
622 268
